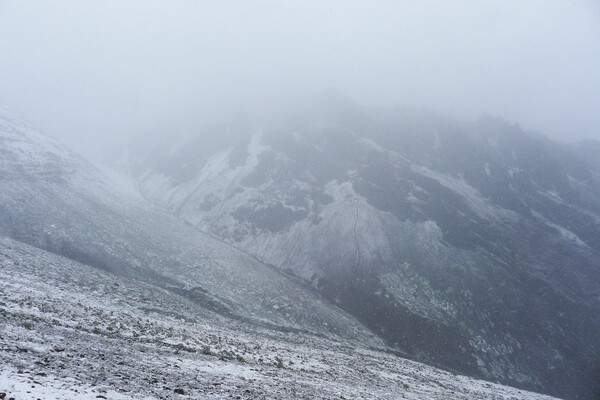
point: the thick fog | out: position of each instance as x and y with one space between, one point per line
93 72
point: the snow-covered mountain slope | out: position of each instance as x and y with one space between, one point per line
55 200
70 331
470 245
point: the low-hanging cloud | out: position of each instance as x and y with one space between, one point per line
92 72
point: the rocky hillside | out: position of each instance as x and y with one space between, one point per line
470 245
71 331
106 296
55 200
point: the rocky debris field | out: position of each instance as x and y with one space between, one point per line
69 331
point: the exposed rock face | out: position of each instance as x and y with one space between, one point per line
474 246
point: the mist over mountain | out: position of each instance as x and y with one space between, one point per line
94 73
300 199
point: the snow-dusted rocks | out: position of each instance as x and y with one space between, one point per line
70 331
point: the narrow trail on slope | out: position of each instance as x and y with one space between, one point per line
356 246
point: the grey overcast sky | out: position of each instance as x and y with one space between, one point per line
86 71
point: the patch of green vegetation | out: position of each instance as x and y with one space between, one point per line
279 362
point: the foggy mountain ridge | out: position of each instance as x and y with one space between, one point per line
470 245
107 295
